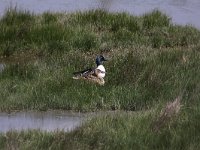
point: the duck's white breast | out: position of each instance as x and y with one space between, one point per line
101 67
103 71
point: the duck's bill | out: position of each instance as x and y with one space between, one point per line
105 59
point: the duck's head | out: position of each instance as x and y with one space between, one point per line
100 59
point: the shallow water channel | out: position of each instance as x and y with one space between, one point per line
2 66
181 11
44 121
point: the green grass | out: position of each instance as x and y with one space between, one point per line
151 62
139 81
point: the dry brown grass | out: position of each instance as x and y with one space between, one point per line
167 113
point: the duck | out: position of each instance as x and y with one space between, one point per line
95 74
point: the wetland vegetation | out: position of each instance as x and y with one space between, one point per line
151 62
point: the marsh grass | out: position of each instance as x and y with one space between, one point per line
151 61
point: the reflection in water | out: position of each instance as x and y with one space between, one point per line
178 3
105 4
46 121
2 67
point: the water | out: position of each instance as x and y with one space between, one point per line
44 121
182 12
2 67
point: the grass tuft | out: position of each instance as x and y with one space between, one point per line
155 19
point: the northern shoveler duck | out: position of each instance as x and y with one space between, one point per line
95 74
